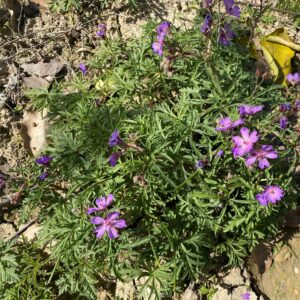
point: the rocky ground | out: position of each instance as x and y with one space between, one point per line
41 47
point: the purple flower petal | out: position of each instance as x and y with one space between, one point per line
114 158
227 124
92 210
206 27
97 220
226 35
120 223
249 109
115 139
283 122
157 48
112 232
83 69
43 176
100 231
44 160
102 30
112 216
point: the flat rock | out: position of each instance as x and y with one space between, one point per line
6 231
233 278
281 280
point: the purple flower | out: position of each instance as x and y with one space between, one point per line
244 144
284 107
232 9
43 176
206 27
283 122
115 139
83 68
226 34
162 30
261 156
102 30
157 48
108 224
293 78
2 181
44 160
207 3
272 193
249 109
113 159
227 124
220 153
102 203
199 164
246 296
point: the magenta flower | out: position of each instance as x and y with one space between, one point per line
109 225
157 48
232 9
271 194
44 160
101 203
283 122
284 107
249 109
43 176
244 144
113 159
227 124
206 27
261 156
293 78
115 139
226 35
102 30
246 296
83 69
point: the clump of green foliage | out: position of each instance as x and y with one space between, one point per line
182 222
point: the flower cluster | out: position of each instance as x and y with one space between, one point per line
110 222
101 32
162 31
245 145
45 161
225 32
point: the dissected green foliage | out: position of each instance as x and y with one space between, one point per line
182 222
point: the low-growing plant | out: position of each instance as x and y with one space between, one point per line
169 159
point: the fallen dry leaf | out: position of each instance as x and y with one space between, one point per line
42 74
34 131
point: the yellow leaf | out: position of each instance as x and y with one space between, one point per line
279 49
